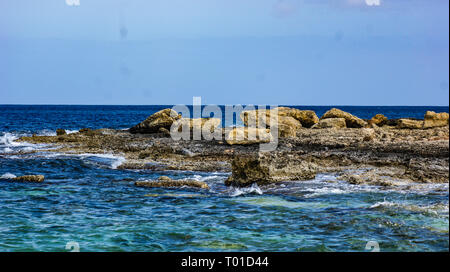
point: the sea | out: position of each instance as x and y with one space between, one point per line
87 204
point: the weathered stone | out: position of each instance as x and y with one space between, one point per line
350 120
379 120
30 178
161 119
208 124
165 181
269 168
256 118
307 118
248 136
288 126
262 118
60 132
409 124
433 119
331 123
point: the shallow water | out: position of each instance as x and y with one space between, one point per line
85 199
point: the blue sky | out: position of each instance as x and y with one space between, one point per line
303 52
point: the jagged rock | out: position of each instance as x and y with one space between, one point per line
331 123
307 118
350 120
409 124
379 120
268 168
210 124
60 132
256 118
261 118
153 124
433 119
165 181
248 135
288 126
30 178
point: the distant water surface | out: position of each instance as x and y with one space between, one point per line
85 199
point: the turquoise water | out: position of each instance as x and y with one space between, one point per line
86 200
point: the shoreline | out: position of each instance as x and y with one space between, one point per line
378 155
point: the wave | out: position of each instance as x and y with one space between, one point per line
237 191
8 176
433 209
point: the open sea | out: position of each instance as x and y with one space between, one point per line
85 200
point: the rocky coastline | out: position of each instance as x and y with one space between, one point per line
378 151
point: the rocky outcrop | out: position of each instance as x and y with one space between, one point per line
331 123
210 124
266 168
259 118
350 120
60 132
433 119
165 181
409 124
288 120
248 136
29 178
153 124
307 118
379 120
288 126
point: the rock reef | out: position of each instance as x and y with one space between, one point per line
378 151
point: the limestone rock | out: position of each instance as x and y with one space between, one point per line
248 135
269 168
409 124
433 119
30 178
161 119
379 120
331 123
307 118
350 120
288 126
210 124
165 181
255 118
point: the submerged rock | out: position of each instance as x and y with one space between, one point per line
248 136
350 120
331 123
165 181
433 119
153 124
30 178
409 124
268 168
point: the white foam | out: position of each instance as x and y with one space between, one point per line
253 189
7 176
116 161
8 139
435 209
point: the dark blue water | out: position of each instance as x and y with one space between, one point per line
86 200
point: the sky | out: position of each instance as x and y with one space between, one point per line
275 52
